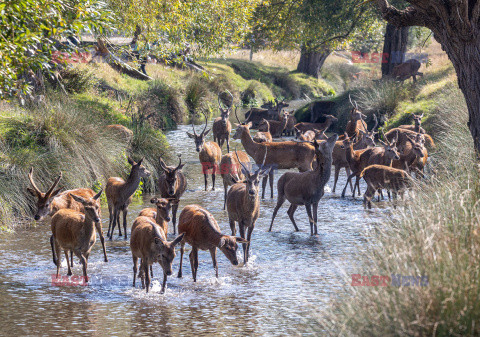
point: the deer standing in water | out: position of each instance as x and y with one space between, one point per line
221 125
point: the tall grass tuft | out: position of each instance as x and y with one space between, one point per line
437 235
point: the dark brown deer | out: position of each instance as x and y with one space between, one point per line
74 231
243 204
406 70
306 188
264 136
209 153
329 120
119 195
403 134
172 184
274 127
290 128
52 201
221 125
202 232
356 122
230 170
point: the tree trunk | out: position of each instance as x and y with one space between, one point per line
394 48
312 61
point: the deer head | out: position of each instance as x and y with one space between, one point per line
229 246
91 206
252 180
199 139
164 250
224 110
417 146
138 169
242 129
325 148
163 207
355 113
43 199
171 174
418 119
391 151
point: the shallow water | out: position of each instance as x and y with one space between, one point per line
282 290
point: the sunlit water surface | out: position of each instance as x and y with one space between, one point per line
282 290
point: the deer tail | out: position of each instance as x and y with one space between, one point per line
52 243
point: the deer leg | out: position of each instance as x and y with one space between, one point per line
290 212
213 253
270 179
369 193
337 172
84 262
59 261
206 180
69 273
174 216
228 145
118 222
280 201
151 270
114 222
110 220
125 212
224 194
348 181
71 258
241 227
148 280
232 226
356 185
315 210
98 226
182 251
249 237
135 269
52 244
214 172
347 169
264 185
308 207
194 262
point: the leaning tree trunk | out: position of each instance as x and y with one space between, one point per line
312 61
394 48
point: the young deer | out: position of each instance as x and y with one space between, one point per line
306 188
230 170
380 177
243 204
161 214
412 151
281 155
417 127
290 128
52 201
148 242
360 159
75 231
401 135
172 184
264 136
209 153
202 232
304 127
275 127
310 135
119 195
221 125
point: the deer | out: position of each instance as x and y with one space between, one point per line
329 120
410 153
417 127
122 132
243 203
310 135
221 125
161 213
360 159
356 122
289 129
202 232
407 69
231 172
148 242
119 195
282 155
74 231
275 127
306 188
209 153
171 185
401 134
52 201
264 136
380 177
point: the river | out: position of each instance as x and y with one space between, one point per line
281 291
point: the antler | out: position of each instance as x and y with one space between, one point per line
206 121
384 137
263 163
162 164
376 122
350 99
55 183
30 177
238 120
230 96
244 167
193 127
180 161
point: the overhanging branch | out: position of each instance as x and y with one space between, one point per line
402 18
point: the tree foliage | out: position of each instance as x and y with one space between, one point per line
29 30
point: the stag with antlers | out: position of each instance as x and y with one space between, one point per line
221 125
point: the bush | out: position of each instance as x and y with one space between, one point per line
196 95
77 80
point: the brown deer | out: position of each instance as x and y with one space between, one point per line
243 204
356 122
329 120
401 135
74 231
119 195
161 214
221 125
360 159
410 153
417 127
384 177
148 242
202 232
122 132
306 188
264 136
52 201
255 115
209 153
281 155
172 184
289 129
230 170
274 127
406 70
310 135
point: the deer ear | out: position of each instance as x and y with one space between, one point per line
159 241
222 242
96 196
78 199
249 124
240 240
54 193
206 132
178 239
140 161
190 135
130 161
153 200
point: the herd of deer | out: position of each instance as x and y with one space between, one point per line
76 217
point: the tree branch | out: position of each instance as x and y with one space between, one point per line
402 18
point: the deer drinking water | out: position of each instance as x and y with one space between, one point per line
209 153
306 188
